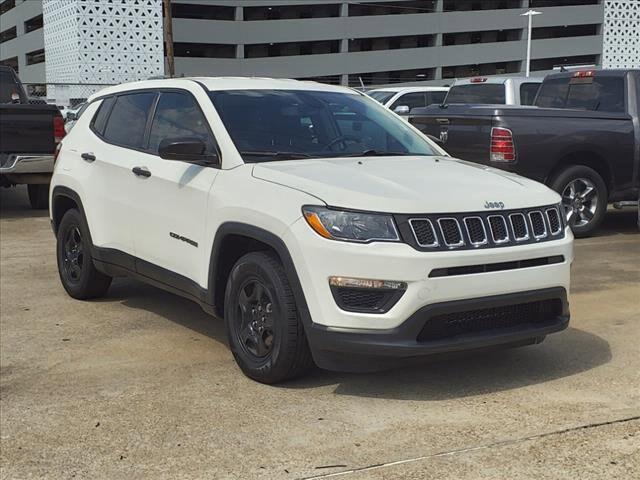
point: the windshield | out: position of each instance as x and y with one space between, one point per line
477 93
381 96
270 125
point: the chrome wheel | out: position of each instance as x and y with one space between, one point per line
73 254
580 202
254 322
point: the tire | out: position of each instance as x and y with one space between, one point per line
266 335
38 196
77 272
585 211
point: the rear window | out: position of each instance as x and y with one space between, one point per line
7 86
411 100
128 120
528 93
603 94
435 97
477 93
382 96
100 118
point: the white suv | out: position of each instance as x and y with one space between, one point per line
317 223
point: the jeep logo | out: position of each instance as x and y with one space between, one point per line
499 205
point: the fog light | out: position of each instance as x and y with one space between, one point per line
366 283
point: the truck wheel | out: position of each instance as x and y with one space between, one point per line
78 274
38 196
584 198
265 333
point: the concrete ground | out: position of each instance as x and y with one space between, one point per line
141 385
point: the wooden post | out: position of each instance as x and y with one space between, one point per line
168 37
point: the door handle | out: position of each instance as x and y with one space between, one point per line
442 121
89 157
141 171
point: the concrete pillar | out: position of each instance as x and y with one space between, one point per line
239 18
344 42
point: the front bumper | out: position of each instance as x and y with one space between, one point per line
372 350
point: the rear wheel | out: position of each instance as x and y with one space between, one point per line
584 198
77 272
38 196
265 332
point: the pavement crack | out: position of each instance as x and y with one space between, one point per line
457 451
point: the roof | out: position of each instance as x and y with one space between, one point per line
224 83
496 80
411 89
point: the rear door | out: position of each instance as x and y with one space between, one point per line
170 199
119 126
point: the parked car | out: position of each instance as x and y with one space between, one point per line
494 90
583 140
321 226
402 99
74 112
29 134
72 117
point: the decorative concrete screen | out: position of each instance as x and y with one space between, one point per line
621 47
101 42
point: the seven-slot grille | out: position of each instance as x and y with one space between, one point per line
483 229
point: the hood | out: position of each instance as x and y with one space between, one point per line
406 184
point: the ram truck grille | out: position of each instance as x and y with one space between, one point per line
481 229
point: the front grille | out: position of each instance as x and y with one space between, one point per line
424 233
519 225
451 232
554 220
498 226
475 230
481 229
537 223
490 319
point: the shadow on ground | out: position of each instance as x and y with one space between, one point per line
14 203
561 355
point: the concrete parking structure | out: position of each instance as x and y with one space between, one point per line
142 384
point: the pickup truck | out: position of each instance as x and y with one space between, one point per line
581 138
29 134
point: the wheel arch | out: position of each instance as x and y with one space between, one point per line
233 240
62 200
590 159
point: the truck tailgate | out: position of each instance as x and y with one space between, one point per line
27 129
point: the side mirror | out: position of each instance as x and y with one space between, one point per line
71 116
15 97
191 150
402 110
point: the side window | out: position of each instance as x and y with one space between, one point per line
411 100
178 115
100 118
435 97
128 119
528 93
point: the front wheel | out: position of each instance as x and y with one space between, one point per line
584 198
265 332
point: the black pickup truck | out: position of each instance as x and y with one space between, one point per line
581 137
29 134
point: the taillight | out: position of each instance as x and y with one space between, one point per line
58 129
478 80
502 148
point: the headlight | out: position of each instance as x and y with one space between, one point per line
359 227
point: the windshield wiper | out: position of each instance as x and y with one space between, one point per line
377 153
276 155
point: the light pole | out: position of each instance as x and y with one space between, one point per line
529 14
